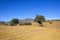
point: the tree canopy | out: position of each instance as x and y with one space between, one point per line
15 21
39 18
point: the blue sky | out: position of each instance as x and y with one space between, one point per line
22 9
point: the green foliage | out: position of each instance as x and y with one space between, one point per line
24 23
39 18
27 23
15 21
11 24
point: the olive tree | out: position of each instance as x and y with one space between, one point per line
15 21
39 19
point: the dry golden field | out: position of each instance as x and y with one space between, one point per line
33 32
55 24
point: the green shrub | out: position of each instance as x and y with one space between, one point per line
27 23
24 23
12 24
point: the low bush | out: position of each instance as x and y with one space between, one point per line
12 24
50 22
25 23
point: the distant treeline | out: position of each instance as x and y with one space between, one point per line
54 20
15 21
39 19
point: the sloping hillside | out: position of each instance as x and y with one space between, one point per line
28 33
55 24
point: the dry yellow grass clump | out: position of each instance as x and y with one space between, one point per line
28 33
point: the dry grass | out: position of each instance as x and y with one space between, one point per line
55 24
30 32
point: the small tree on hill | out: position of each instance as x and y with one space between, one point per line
39 19
15 21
